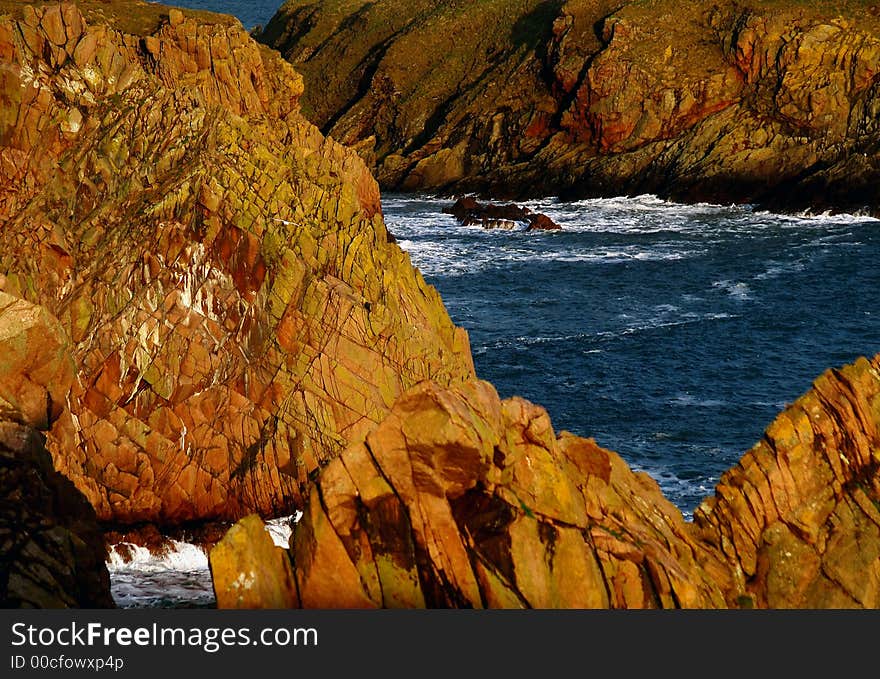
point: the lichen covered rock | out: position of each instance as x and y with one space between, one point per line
249 571
799 516
460 499
237 312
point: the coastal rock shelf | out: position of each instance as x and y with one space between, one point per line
773 103
238 315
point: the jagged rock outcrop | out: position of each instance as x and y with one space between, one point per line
728 101
461 499
51 549
799 516
237 312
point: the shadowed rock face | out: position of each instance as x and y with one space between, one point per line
731 101
459 499
52 552
237 314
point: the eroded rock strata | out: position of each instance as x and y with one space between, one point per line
237 313
726 101
798 519
51 549
460 499
225 328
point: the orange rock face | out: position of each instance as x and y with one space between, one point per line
249 571
52 552
36 369
237 313
460 499
799 517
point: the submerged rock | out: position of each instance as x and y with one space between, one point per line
468 211
237 311
729 101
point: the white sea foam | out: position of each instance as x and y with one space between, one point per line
653 323
181 556
282 528
673 485
694 402
738 290
825 218
776 269
177 576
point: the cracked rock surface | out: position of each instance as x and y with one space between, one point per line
460 499
237 313
52 551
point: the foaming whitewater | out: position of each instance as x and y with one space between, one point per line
177 577
671 333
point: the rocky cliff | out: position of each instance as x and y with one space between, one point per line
237 310
460 499
775 103
798 519
51 549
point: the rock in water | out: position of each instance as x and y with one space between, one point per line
52 552
468 211
249 571
759 102
237 312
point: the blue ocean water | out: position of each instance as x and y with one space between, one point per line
250 14
671 333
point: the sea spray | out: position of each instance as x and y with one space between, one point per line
175 576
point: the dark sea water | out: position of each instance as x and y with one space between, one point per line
673 334
250 14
